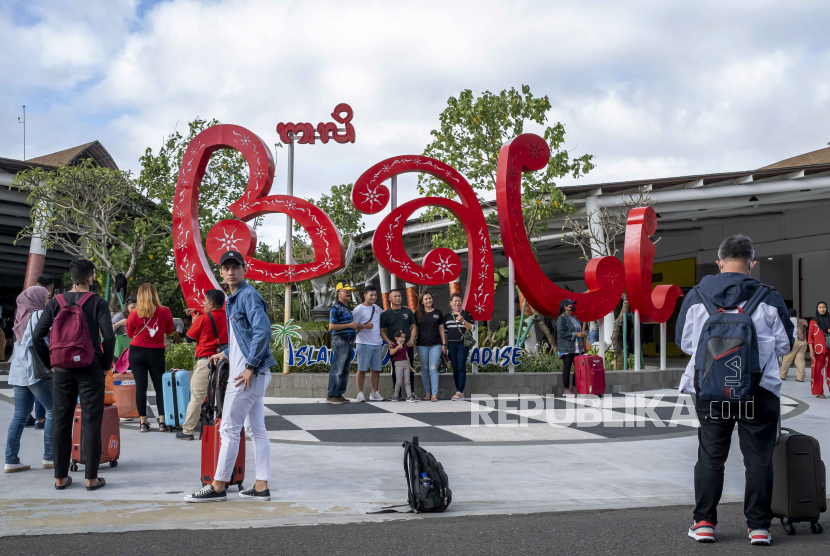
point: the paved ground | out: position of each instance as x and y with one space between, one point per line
644 531
323 483
483 420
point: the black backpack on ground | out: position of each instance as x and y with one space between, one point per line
426 480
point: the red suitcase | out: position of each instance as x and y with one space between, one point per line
211 443
590 375
110 438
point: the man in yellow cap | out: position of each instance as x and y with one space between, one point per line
343 330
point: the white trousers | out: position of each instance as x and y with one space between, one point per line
244 407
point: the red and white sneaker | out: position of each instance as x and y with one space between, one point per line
760 536
702 531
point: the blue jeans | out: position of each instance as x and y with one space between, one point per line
24 400
341 362
429 356
458 353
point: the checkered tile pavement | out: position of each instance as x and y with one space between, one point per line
529 419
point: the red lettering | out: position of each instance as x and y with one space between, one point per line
603 275
192 266
653 306
441 265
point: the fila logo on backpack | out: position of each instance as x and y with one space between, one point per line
70 346
727 363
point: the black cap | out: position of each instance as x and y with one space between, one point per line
232 256
565 302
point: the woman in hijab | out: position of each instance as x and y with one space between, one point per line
818 338
27 388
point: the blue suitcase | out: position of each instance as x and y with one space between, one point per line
176 393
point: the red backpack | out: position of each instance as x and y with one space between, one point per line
70 346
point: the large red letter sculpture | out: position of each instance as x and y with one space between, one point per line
194 272
441 265
603 275
653 306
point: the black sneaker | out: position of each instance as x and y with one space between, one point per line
183 436
40 425
207 494
262 496
163 427
30 422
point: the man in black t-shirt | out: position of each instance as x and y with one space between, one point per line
395 318
84 382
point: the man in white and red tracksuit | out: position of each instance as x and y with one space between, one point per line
757 433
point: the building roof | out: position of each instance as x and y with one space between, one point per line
701 180
93 150
13 166
821 156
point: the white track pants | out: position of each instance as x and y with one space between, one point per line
244 407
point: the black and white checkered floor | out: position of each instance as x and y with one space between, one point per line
528 419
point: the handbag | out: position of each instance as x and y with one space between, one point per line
39 369
468 338
123 363
442 363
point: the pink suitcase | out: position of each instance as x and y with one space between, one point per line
590 375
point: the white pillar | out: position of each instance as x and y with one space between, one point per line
601 350
288 241
511 310
662 346
638 346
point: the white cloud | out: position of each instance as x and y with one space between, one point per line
652 90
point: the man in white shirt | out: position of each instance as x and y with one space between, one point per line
369 344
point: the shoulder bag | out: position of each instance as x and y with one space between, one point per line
39 368
221 346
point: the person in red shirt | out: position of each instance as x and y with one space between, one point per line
147 326
210 332
817 341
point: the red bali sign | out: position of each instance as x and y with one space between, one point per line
606 277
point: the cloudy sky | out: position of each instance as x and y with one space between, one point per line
652 89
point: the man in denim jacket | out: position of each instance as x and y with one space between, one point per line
250 360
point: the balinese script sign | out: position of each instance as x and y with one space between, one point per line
606 277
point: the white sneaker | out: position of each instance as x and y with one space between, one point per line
375 397
126 419
15 468
760 536
361 397
48 464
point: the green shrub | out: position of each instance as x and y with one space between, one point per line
180 356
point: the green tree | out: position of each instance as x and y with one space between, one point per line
95 212
471 133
